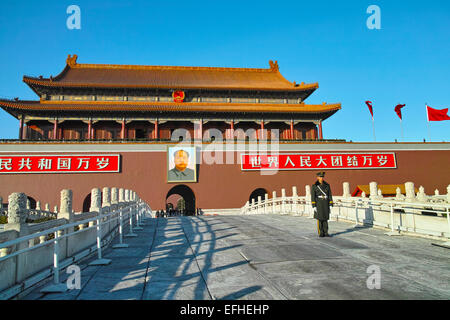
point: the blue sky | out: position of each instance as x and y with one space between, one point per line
407 61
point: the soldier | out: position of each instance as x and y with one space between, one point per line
321 200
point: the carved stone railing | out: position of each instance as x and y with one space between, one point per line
31 252
412 213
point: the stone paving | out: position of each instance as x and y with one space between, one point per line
262 257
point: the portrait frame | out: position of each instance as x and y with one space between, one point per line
191 167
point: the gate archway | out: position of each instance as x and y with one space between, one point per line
257 192
187 194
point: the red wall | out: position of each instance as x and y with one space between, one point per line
222 185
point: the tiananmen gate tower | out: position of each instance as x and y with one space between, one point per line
124 125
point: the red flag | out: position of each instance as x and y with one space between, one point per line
437 115
369 104
398 109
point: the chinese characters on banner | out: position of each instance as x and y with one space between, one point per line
288 161
59 163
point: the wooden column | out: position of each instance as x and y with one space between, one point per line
320 130
155 133
200 130
89 129
21 127
122 132
232 130
261 136
292 129
55 129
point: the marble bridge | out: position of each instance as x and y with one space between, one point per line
262 257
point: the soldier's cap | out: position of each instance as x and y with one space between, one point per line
321 174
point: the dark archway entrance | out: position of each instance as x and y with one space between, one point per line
87 203
188 196
257 192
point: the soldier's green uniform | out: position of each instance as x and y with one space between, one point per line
321 199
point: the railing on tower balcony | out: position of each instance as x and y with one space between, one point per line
144 140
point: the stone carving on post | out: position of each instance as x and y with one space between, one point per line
66 211
373 190
55 209
379 194
28 204
47 207
38 205
308 192
121 197
114 197
106 197
127 195
448 193
17 212
410 193
398 194
96 200
421 196
346 189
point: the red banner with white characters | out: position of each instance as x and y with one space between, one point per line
79 163
313 161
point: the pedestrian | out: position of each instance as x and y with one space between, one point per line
321 201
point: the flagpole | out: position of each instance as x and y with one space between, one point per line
428 122
373 128
401 127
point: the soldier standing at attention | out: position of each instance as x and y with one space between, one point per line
321 200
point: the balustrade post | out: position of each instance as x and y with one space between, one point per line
274 196
96 203
392 232
17 215
283 201
56 287
294 205
266 203
137 212
121 201
130 212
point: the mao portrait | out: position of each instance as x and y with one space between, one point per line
181 164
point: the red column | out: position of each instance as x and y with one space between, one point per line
320 130
122 132
55 129
21 127
155 133
89 129
292 130
261 136
232 130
